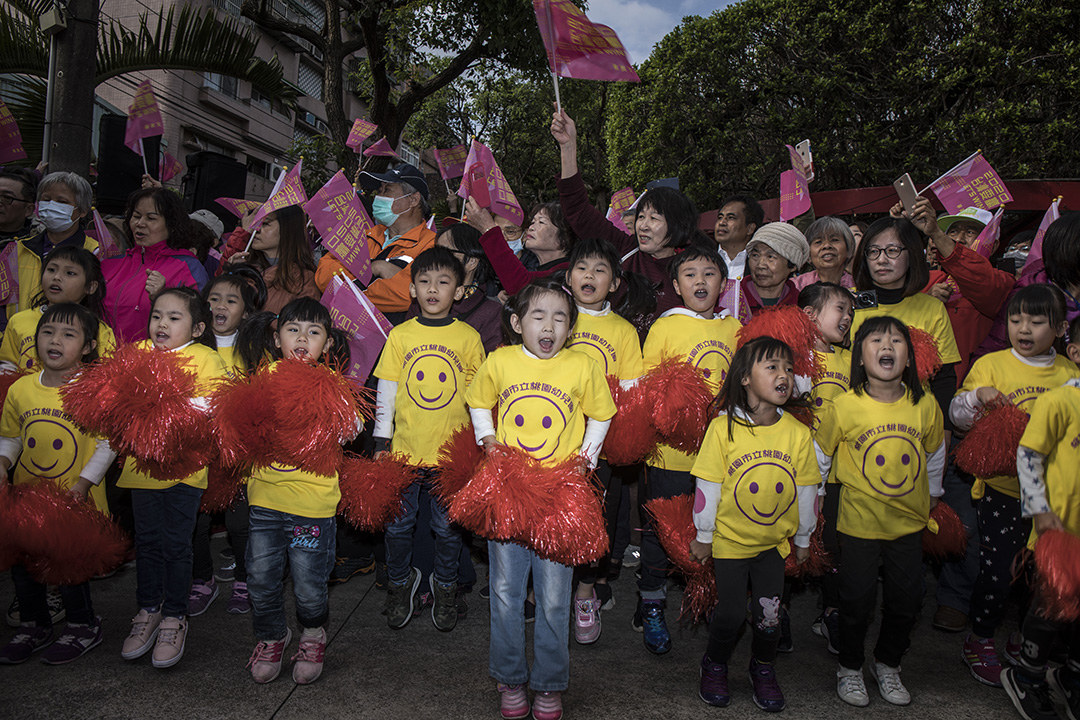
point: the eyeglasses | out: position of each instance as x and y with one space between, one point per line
6 200
892 252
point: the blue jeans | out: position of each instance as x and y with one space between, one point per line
310 544
508 571
399 536
957 580
164 522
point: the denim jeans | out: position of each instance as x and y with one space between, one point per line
34 605
659 483
957 580
164 522
508 570
399 536
310 544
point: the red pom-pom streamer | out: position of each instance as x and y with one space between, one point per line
140 399
632 436
989 448
7 379
64 540
680 399
10 554
819 562
793 327
951 538
371 490
458 458
243 421
1057 559
673 522
575 534
223 485
927 356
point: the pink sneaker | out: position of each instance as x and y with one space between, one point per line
1013 648
982 659
308 660
513 702
586 620
265 662
547 706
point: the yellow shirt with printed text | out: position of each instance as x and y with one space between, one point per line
18 346
610 340
1054 431
922 311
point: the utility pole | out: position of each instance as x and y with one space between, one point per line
69 130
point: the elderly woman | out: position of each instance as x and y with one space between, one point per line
831 244
773 254
159 256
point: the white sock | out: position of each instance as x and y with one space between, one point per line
312 632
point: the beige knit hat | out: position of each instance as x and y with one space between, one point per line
783 239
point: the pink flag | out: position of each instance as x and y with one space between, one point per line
382 147
144 118
9 274
732 300
107 247
621 201
10 137
361 322
579 48
484 182
11 154
361 131
972 183
343 223
1052 213
794 193
987 240
290 191
451 162
237 206
168 168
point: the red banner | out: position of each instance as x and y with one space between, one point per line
972 183
484 182
168 168
237 206
144 118
794 193
579 48
361 131
381 148
451 162
290 191
107 247
341 220
361 322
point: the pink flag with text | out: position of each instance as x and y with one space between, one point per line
169 167
381 148
1052 213
484 182
972 183
10 136
343 223
579 48
794 192
621 201
362 323
237 206
361 131
144 118
451 162
987 240
107 247
289 192
9 274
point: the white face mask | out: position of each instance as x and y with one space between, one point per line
55 215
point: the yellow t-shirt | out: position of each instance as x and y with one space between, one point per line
758 469
432 365
922 311
542 404
18 346
705 343
1021 384
53 447
835 381
234 365
1054 431
294 491
879 453
611 341
209 368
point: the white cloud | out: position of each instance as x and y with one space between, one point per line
638 24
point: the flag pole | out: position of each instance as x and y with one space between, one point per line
551 55
558 102
142 151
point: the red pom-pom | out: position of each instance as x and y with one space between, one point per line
927 356
632 436
1057 559
819 562
680 399
951 538
989 448
793 327
576 533
673 522
223 485
66 541
140 399
10 554
371 490
243 421
7 379
458 458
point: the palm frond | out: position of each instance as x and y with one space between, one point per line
32 9
23 48
25 97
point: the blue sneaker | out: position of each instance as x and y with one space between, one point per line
714 688
767 694
650 616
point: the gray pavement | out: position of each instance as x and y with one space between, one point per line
418 672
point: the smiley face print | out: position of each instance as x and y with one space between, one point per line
533 423
892 464
50 449
826 389
431 382
764 492
583 344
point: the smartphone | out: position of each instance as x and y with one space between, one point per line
803 149
905 188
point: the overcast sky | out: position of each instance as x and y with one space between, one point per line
641 23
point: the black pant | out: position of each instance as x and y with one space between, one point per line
612 488
901 560
236 525
34 605
830 581
1040 633
764 574
659 483
1003 534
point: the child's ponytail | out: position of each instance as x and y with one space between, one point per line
255 339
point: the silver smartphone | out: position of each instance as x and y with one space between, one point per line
906 190
803 149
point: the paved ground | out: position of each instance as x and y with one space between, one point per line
418 672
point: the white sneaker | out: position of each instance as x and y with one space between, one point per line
851 687
889 684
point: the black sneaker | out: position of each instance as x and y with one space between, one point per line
1065 683
530 611
13 614
444 610
1031 698
400 599
460 603
346 568
828 626
382 576
614 570
785 644
485 592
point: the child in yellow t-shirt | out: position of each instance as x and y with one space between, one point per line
706 340
757 485
554 404
886 438
423 371
235 295
39 440
1018 375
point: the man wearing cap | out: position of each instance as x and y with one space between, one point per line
774 253
400 208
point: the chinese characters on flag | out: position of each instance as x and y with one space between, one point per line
144 118
794 193
362 323
972 183
484 182
451 162
168 168
382 147
579 48
621 201
361 131
290 191
341 220
10 138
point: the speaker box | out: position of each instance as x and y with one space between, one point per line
120 170
212 175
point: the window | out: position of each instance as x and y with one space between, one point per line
409 155
224 84
310 81
258 167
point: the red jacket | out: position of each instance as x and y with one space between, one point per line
789 295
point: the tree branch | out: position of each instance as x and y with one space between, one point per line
417 92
